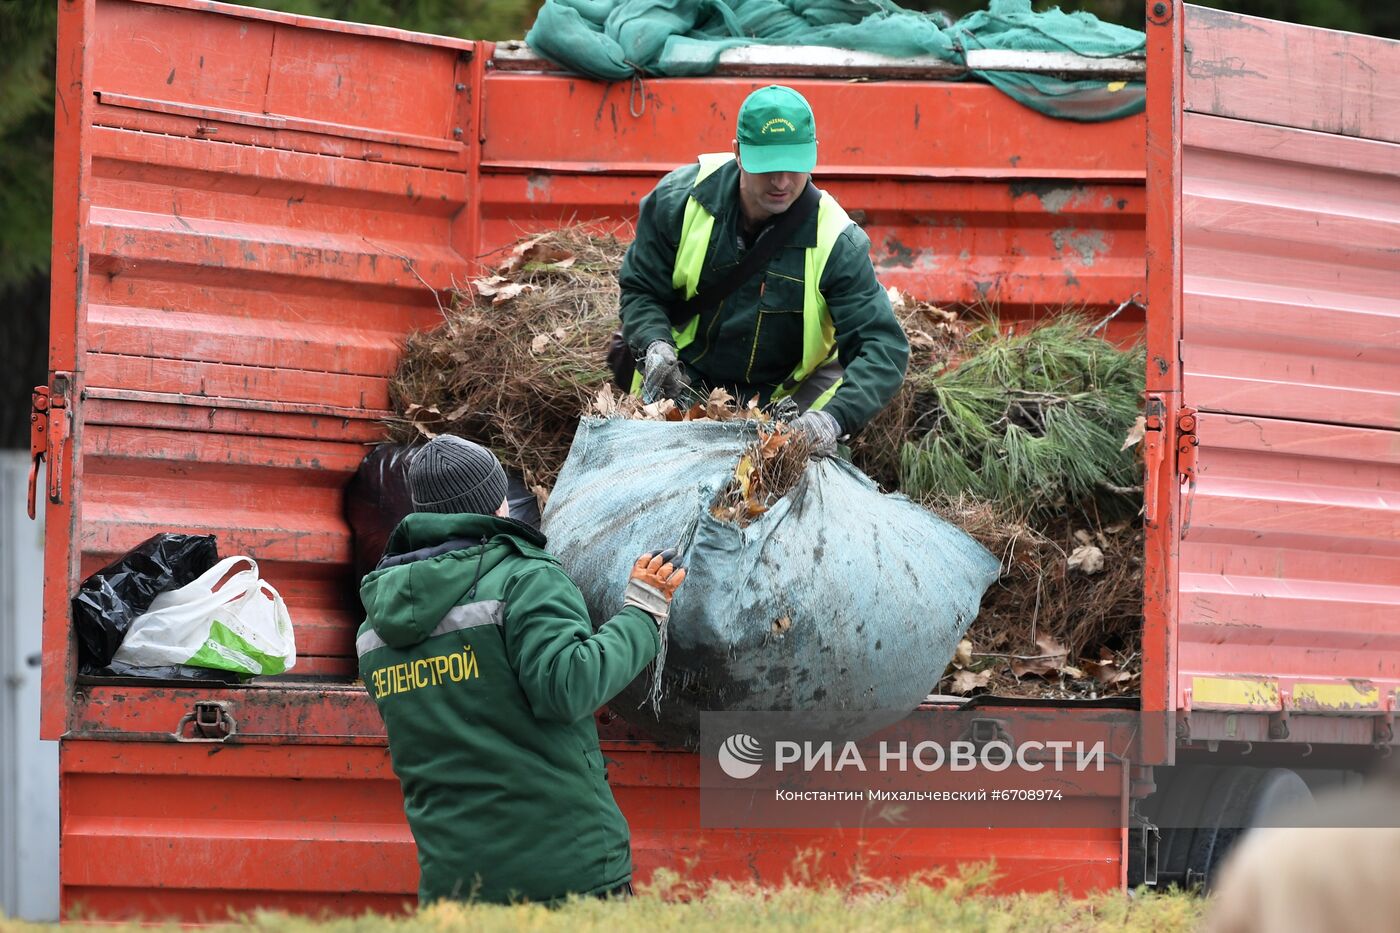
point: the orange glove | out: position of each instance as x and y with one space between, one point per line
653 583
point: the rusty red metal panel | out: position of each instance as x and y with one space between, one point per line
234 268
1290 566
966 195
189 832
243 286
68 277
1163 255
1268 72
1291 272
215 73
1290 346
879 129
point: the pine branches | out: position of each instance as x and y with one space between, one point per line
1034 422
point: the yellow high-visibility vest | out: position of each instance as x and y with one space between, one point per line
818 334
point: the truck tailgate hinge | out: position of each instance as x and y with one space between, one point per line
50 430
1186 444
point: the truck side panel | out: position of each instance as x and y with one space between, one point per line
967 196
252 209
1290 513
260 216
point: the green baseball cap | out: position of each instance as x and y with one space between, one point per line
777 132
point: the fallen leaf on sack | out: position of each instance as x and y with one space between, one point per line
771 444
538 344
963 656
1136 433
605 403
781 625
1087 559
1051 658
660 411
967 681
717 405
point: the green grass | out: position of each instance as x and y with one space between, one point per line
958 904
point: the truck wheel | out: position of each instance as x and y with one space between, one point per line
1242 799
1202 811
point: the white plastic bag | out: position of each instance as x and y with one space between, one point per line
232 622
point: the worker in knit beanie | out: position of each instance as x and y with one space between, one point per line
481 657
452 475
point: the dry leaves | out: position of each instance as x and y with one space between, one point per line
1046 674
966 681
719 405
519 354
768 470
1087 559
1051 658
1136 433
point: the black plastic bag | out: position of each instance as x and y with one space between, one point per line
108 601
377 499
179 672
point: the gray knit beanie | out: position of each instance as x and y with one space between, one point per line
453 475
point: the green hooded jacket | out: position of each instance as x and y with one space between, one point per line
479 653
753 340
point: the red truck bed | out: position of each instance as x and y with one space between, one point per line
247 205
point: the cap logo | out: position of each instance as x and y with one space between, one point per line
778 125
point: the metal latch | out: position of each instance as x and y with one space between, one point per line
50 428
207 721
1153 455
983 731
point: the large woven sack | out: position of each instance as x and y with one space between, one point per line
837 598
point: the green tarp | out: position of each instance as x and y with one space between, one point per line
618 39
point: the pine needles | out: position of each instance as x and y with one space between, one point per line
1033 422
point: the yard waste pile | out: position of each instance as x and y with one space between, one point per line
616 40
1026 437
518 361
519 356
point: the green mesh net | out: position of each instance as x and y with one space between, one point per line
618 39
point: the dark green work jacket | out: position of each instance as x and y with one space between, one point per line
753 341
479 653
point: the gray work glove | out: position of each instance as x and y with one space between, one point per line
662 374
821 429
653 583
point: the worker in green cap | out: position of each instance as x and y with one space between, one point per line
804 319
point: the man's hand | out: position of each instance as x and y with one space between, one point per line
662 373
821 429
653 583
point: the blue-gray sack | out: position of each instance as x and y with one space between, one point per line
838 597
